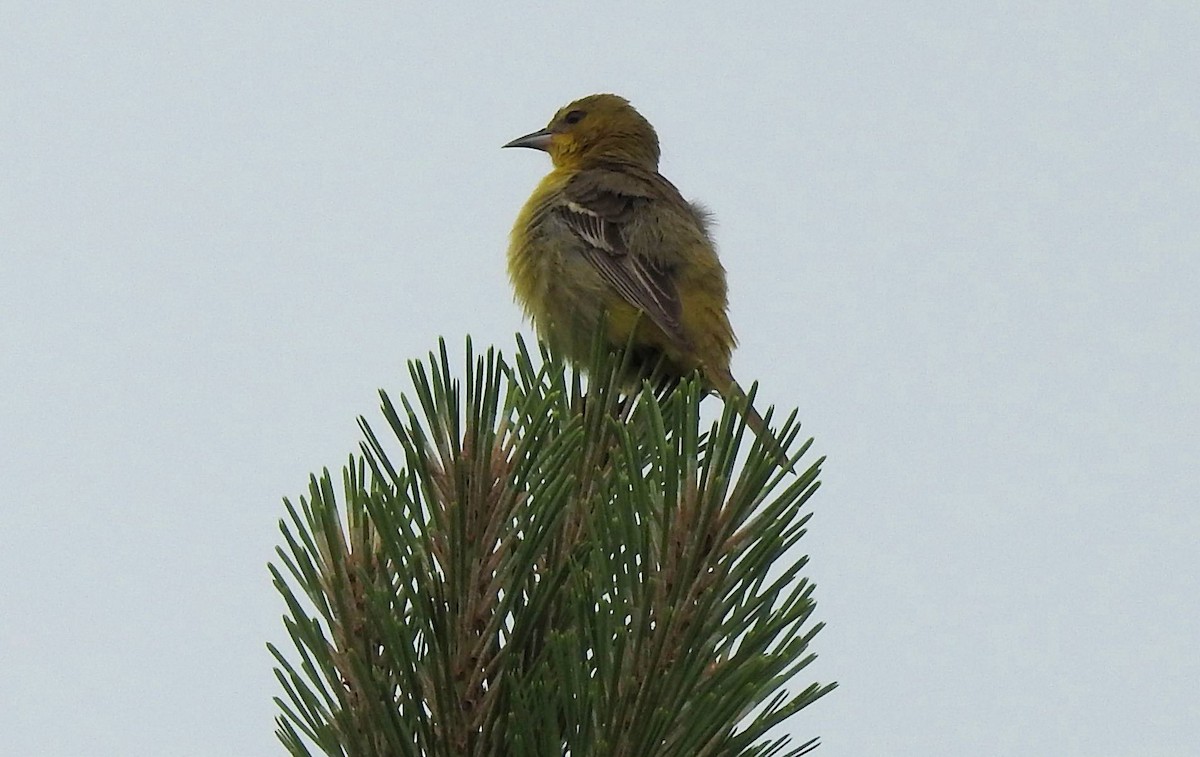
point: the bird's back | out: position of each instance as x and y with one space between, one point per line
566 294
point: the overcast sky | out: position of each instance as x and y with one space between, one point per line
963 241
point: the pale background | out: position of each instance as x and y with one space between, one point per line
961 239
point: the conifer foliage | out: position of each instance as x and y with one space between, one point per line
531 563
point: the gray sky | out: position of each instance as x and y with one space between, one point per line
962 242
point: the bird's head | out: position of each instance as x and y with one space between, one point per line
593 129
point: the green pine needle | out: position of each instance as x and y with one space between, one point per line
537 563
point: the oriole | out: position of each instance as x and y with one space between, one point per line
606 236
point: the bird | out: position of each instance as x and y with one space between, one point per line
606 242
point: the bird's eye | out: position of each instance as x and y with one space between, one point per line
574 116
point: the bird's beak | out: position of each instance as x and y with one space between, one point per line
539 140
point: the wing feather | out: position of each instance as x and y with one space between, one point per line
597 210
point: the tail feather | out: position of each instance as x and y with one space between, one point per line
756 423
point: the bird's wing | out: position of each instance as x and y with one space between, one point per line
597 205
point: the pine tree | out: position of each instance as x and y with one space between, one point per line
528 568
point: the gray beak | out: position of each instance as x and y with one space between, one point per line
538 140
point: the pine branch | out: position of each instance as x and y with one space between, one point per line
547 571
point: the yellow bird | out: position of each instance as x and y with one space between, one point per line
606 237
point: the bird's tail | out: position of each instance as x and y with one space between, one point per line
732 391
